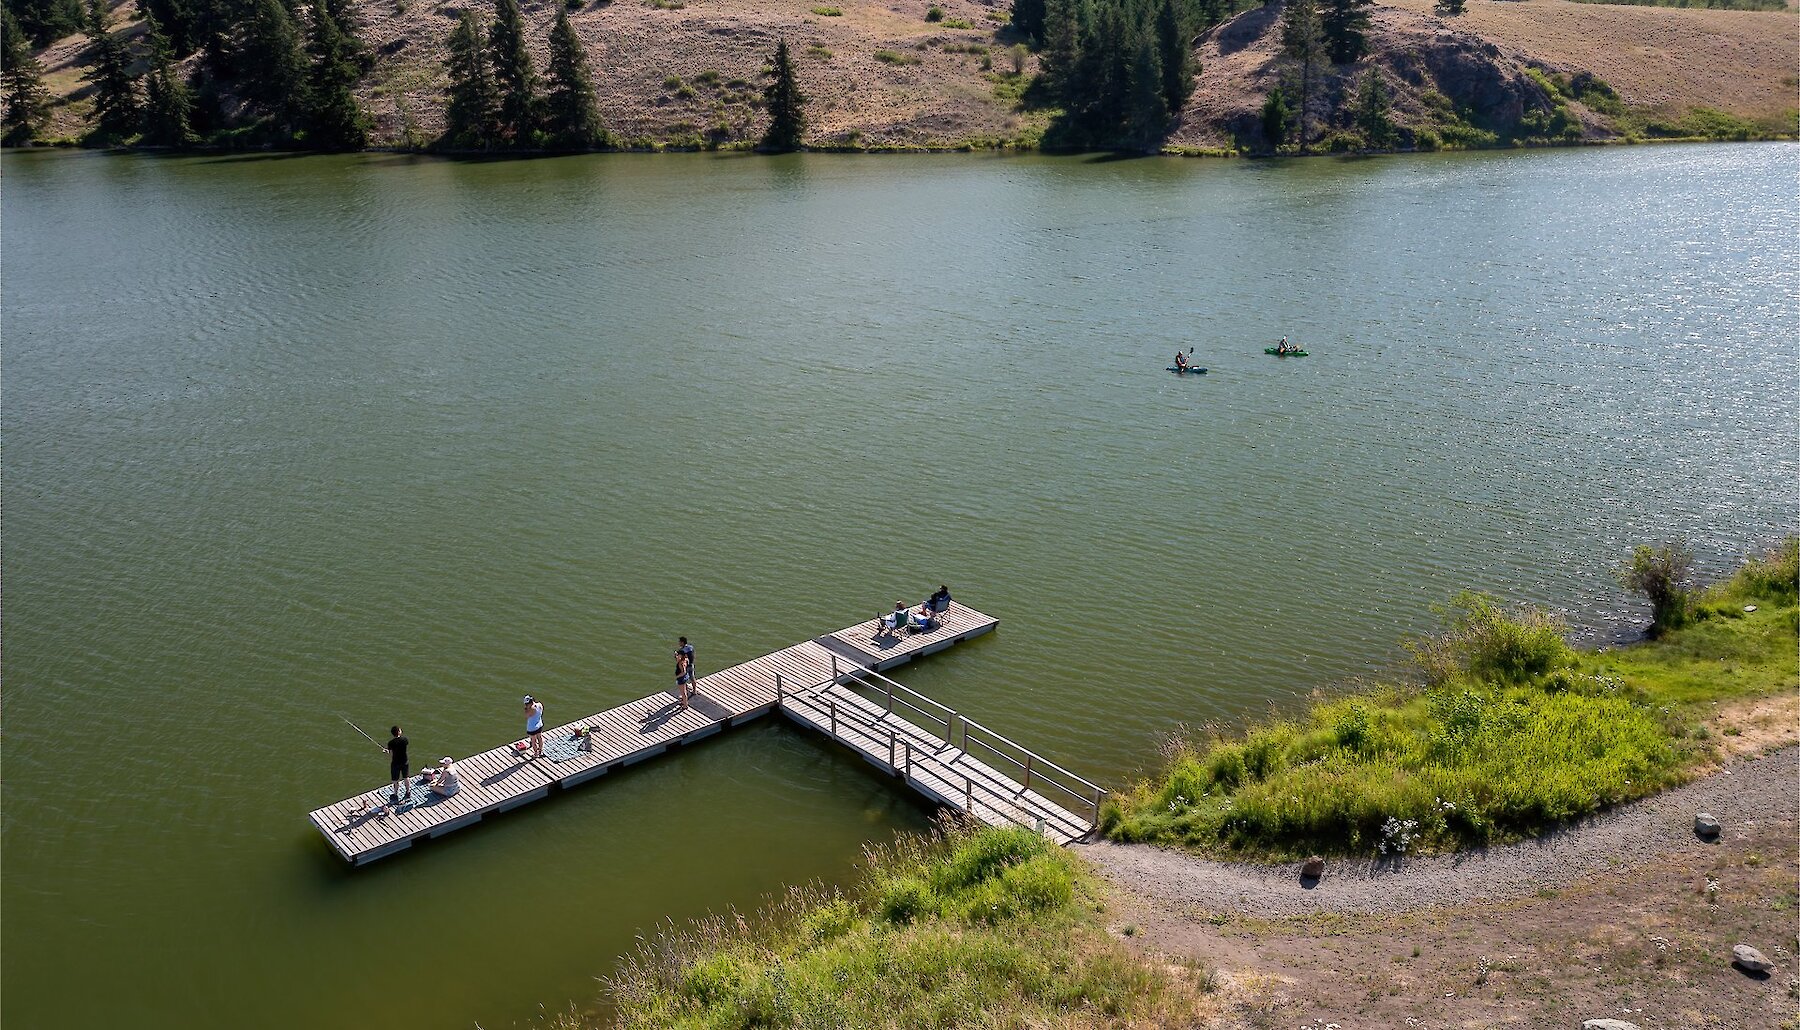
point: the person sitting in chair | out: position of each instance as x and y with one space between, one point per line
940 601
921 621
892 621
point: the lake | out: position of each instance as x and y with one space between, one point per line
402 439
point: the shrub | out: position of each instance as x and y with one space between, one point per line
1427 139
1017 53
819 52
1664 575
829 920
1774 578
958 23
1482 640
904 900
936 13
828 12
890 57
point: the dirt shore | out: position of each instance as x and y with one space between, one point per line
1627 916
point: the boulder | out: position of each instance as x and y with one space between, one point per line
1607 1024
1313 868
1745 957
1706 826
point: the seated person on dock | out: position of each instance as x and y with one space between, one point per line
922 620
893 620
444 780
940 601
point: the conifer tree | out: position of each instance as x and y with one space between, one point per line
572 121
1345 25
1450 8
21 85
116 110
1277 118
1028 18
1302 40
515 80
272 62
1061 55
787 105
46 21
334 120
1146 109
472 112
168 104
1174 38
1371 110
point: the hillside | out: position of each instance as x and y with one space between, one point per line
687 72
1663 63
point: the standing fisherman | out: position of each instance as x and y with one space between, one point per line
398 769
687 650
534 725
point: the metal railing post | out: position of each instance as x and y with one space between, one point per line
968 795
833 707
906 745
780 691
1027 770
834 669
891 766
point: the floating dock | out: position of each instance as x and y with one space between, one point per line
831 684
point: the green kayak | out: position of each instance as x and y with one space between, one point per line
1289 354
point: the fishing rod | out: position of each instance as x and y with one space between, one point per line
358 729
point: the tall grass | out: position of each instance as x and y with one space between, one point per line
989 927
1507 732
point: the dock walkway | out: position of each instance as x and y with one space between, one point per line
831 684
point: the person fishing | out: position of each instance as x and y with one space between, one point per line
1181 361
1282 347
398 769
534 725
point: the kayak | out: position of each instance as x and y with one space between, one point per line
1185 371
1289 354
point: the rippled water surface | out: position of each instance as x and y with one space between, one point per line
404 439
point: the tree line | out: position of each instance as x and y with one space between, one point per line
275 73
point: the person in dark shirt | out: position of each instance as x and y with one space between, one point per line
686 649
398 770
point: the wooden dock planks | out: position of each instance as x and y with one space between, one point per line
362 828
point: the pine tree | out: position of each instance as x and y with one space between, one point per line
1062 47
21 84
1371 111
1345 24
1277 118
1146 110
471 115
1450 8
1175 37
1028 18
168 104
571 119
787 106
514 78
334 120
272 62
1302 40
46 21
116 111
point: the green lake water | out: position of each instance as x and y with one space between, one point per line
404 439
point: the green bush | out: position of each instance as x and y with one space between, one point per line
890 57
1483 640
1774 577
828 12
1664 575
936 13
1427 139
905 899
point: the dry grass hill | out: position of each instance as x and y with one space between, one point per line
688 72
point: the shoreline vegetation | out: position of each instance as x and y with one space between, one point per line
1502 731
962 927
1507 731
1190 78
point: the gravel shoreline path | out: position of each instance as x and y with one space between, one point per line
1747 792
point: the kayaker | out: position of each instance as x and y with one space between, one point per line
1282 347
1180 360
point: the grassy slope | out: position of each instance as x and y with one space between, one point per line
1665 62
975 928
1515 733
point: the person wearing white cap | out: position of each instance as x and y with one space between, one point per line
444 779
534 725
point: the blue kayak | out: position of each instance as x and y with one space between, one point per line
1187 370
